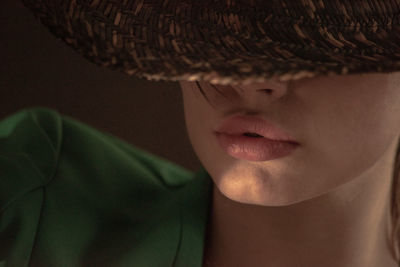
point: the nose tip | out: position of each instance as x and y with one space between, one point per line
267 91
270 88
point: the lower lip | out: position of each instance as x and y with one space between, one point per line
253 148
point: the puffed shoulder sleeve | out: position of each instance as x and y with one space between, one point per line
71 195
29 147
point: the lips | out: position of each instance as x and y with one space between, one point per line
250 125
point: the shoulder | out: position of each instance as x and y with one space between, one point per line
42 135
67 187
30 141
39 147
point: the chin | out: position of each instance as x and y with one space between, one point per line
253 191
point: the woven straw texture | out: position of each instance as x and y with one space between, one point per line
229 42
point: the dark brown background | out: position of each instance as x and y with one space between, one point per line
38 69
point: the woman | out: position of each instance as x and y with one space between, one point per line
295 118
328 202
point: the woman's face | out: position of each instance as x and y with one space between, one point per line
343 124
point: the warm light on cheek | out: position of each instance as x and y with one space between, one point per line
249 185
241 188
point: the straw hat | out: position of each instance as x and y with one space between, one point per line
229 41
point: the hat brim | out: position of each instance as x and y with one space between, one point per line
154 41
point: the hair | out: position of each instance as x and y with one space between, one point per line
395 206
204 94
395 192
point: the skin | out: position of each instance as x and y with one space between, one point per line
326 204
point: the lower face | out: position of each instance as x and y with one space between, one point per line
345 125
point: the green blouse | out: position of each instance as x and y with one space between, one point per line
71 195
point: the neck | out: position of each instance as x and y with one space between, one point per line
350 226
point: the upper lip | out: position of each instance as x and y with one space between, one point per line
240 124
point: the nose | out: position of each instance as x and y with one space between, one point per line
249 96
252 99
261 95
273 88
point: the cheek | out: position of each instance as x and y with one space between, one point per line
348 137
369 123
197 116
